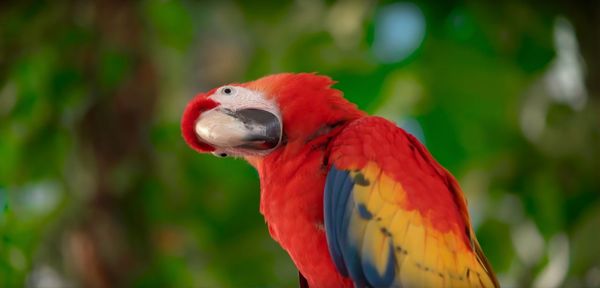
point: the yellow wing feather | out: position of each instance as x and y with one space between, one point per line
423 255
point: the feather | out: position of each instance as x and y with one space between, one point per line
402 224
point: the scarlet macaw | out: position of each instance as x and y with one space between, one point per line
354 199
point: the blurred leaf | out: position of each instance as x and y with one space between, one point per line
172 22
495 240
114 66
585 253
544 203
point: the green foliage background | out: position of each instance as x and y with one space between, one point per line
98 189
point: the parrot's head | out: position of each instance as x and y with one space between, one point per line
272 113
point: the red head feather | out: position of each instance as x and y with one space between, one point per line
199 104
306 102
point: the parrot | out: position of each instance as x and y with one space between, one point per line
355 200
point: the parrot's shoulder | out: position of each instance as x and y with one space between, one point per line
373 126
376 139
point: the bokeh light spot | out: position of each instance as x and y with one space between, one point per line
399 31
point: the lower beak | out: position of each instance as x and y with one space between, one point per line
247 128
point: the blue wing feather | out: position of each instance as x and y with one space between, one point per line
333 179
339 207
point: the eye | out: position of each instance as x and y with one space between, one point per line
227 90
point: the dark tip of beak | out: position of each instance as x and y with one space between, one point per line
264 127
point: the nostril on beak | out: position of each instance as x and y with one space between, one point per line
220 154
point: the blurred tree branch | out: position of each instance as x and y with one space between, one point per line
114 130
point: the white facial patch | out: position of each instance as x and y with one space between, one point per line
238 98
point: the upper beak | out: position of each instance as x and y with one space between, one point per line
247 128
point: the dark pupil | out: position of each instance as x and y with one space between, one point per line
227 91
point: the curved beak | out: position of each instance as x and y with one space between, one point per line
247 128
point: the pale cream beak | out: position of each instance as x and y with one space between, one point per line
248 128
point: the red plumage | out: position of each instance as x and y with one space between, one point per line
320 128
191 113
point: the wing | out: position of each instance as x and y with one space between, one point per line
394 217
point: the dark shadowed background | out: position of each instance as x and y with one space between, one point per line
98 189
